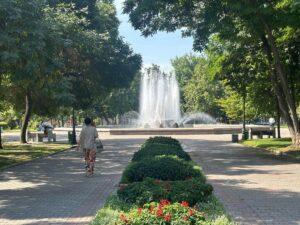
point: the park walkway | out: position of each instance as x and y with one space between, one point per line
55 191
254 189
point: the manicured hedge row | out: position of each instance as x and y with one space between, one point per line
155 149
162 140
191 191
162 168
162 186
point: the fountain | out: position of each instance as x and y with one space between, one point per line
159 99
160 108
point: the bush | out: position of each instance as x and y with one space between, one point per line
152 150
4 125
161 213
162 140
192 191
162 168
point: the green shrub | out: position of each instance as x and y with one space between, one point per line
162 168
151 150
4 125
191 191
162 140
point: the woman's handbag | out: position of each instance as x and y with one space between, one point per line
99 145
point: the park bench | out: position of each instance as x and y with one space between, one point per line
259 132
38 136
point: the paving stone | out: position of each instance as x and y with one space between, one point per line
55 190
255 189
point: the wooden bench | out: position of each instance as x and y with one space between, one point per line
260 132
38 136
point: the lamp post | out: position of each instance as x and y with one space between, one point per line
245 133
1 147
73 139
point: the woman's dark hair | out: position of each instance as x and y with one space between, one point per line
87 121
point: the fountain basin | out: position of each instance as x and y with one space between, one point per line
205 129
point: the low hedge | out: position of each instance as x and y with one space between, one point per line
150 190
162 168
153 149
162 140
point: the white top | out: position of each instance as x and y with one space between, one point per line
87 137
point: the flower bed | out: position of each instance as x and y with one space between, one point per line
162 213
191 191
162 189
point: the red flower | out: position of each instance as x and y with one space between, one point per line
123 218
140 210
164 202
191 212
167 218
159 212
184 204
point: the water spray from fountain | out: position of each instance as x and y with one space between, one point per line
159 99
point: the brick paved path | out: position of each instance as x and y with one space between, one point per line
254 189
54 190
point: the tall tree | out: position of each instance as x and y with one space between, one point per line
77 45
265 21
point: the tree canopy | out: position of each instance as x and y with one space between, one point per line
61 54
268 28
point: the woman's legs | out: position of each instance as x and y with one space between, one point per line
86 158
90 158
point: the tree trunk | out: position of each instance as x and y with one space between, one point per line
106 119
26 118
244 111
280 84
278 121
1 147
62 121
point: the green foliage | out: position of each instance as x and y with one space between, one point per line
62 55
162 168
149 150
163 140
260 41
203 90
232 105
191 191
162 201
162 213
114 207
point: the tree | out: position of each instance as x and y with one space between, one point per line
184 69
264 21
43 48
202 91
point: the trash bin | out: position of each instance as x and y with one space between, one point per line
70 137
235 138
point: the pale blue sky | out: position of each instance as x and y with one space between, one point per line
159 49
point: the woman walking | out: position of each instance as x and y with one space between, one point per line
87 142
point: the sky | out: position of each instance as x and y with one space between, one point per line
158 49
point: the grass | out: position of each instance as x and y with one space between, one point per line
276 145
15 153
213 209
